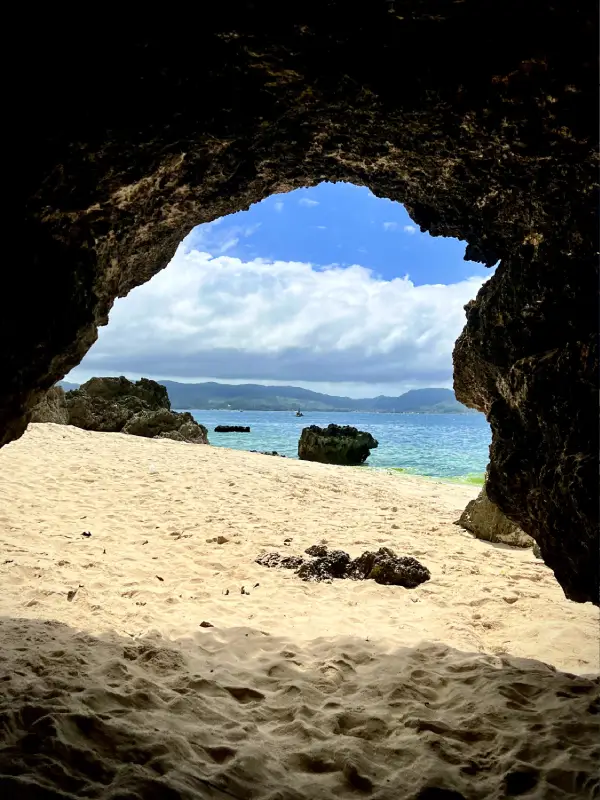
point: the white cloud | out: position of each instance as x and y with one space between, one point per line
410 229
321 227
278 206
306 201
228 318
390 226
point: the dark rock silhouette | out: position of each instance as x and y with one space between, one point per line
383 566
335 444
232 429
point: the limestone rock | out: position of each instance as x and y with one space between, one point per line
335 444
141 409
95 413
52 408
151 394
162 421
484 520
384 566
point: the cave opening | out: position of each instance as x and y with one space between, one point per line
482 120
329 293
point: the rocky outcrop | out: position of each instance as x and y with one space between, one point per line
120 405
335 444
52 408
503 157
232 429
383 566
484 520
138 395
162 423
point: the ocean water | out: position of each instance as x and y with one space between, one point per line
450 446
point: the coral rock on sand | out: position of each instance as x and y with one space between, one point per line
382 566
335 444
386 567
484 520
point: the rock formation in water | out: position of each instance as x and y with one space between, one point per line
484 520
335 444
119 405
232 429
502 155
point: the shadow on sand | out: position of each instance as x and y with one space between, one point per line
239 713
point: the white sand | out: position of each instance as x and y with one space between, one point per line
301 690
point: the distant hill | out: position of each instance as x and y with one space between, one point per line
68 386
254 397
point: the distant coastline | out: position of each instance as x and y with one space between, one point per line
213 396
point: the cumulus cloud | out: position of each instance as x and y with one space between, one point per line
390 226
221 316
306 201
278 206
410 229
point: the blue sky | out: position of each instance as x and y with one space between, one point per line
339 223
330 288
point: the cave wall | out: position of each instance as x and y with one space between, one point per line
479 117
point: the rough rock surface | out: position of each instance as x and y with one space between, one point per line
335 444
503 156
52 408
232 429
383 566
141 409
164 423
484 520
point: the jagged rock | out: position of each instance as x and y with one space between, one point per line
162 421
316 550
95 413
152 395
536 550
484 520
276 560
335 444
383 566
334 564
52 408
232 429
503 157
141 409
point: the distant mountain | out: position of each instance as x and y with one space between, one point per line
253 397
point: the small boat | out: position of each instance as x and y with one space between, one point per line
299 413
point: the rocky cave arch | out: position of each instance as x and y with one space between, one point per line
480 118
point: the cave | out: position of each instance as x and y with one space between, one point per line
479 118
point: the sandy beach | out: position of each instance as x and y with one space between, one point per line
480 681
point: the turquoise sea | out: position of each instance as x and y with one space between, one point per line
450 446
